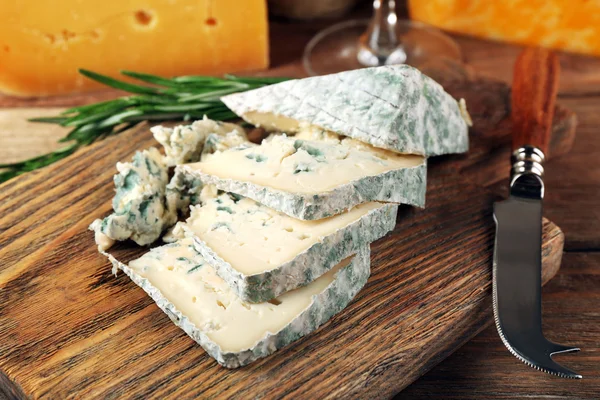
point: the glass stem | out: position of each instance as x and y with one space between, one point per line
381 39
382 29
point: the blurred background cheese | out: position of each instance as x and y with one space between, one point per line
572 25
43 43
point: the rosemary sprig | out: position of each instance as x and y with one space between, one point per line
158 99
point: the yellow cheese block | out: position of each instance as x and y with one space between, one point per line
572 25
43 43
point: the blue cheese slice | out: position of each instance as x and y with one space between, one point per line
185 143
140 212
310 180
262 253
231 330
394 107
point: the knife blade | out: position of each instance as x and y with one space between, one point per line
517 265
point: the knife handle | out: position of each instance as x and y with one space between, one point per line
535 86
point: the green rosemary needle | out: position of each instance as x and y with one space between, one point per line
157 99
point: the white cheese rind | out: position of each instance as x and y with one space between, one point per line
403 182
395 107
323 306
293 271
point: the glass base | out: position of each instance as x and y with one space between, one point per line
341 48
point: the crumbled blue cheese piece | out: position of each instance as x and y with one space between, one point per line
174 233
182 191
216 143
140 212
311 132
206 137
145 205
185 143
203 196
102 241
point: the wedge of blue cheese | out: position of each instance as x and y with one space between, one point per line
392 107
311 180
231 330
140 212
262 253
185 143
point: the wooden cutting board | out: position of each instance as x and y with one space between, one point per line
71 329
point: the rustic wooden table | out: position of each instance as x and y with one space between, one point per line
484 368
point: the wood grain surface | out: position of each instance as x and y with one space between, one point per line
534 90
17 134
75 330
483 368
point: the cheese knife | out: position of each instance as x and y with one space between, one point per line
517 266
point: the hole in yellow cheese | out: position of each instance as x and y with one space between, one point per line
68 35
143 17
50 38
193 37
95 34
